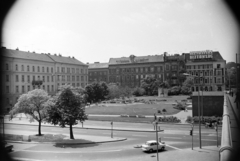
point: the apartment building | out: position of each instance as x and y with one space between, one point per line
21 70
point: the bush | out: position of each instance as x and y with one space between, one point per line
207 119
138 91
185 90
172 119
174 91
180 106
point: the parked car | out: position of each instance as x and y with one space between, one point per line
151 146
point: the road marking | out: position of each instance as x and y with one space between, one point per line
172 147
173 137
140 135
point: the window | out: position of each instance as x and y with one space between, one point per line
34 77
63 77
43 70
81 71
17 90
16 67
146 69
48 88
7 68
22 67
58 69
38 68
73 84
23 89
33 69
58 77
47 70
52 88
23 78
77 71
73 70
219 80
43 87
48 79
82 78
152 69
52 78
16 78
7 89
167 67
63 70
77 78
73 78
218 65
28 88
28 69
52 70
43 77
28 78
7 78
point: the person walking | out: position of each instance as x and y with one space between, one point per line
237 99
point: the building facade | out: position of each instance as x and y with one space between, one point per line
174 69
207 69
21 70
98 72
128 71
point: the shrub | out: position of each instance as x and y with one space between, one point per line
172 119
174 91
138 91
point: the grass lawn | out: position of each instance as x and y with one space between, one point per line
121 119
137 109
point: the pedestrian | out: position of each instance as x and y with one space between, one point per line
237 98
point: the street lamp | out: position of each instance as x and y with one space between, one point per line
199 110
112 130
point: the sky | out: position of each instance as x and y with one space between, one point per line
97 30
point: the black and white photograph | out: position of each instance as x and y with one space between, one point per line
120 80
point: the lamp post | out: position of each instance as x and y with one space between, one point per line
157 138
199 110
111 129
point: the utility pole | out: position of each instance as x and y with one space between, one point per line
112 130
157 139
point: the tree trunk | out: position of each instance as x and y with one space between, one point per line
39 128
71 132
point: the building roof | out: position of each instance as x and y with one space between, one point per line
136 59
216 56
62 59
39 57
24 55
97 65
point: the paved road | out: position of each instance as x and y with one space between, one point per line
176 139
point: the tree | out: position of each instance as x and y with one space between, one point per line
32 103
188 83
164 85
66 108
96 91
150 85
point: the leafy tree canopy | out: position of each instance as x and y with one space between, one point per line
66 108
32 103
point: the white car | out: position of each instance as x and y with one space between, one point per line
151 146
